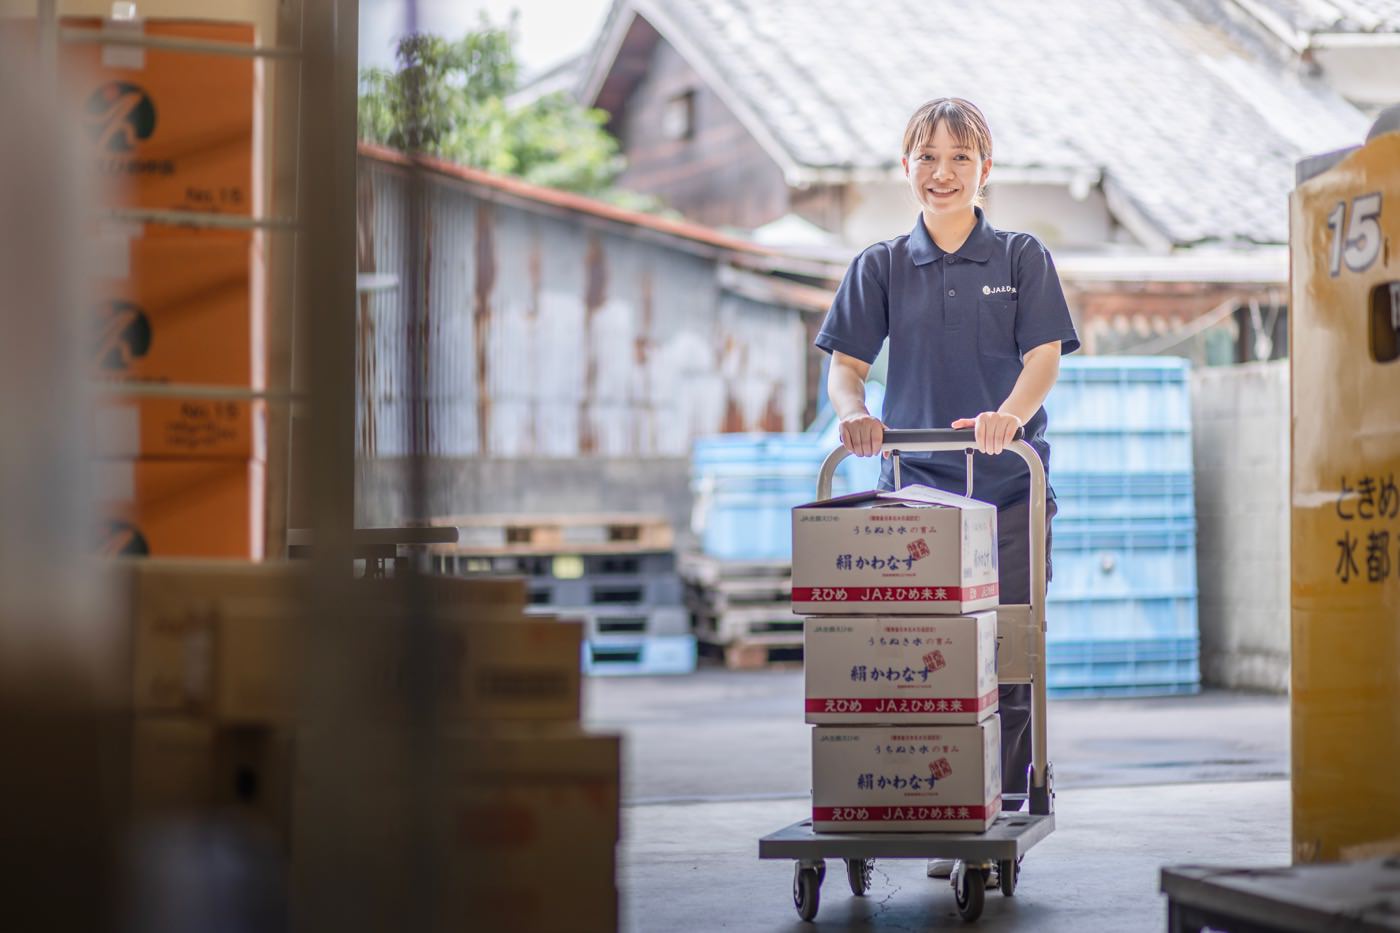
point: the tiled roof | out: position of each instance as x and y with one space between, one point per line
1316 16
1197 137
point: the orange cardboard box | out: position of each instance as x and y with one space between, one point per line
181 508
171 427
169 130
180 310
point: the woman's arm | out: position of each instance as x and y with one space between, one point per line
995 429
861 432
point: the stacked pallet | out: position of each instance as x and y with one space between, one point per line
741 611
615 573
216 737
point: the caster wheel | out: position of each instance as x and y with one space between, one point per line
858 874
821 873
806 888
970 891
1009 871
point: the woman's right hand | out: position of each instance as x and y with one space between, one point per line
862 434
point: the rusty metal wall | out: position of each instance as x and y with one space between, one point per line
559 335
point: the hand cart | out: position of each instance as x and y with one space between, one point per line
1022 630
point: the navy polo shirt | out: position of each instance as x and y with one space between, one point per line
958 325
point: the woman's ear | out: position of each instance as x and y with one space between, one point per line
904 161
986 170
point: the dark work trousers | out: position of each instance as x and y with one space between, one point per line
1014 706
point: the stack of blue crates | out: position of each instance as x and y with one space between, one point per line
1121 612
746 485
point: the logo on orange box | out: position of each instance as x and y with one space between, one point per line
124 335
119 115
123 539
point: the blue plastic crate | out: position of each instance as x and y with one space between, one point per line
1123 667
1113 496
746 485
625 655
1074 651
1117 451
1121 393
1123 558
1090 618
1120 414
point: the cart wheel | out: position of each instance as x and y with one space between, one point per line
806 888
858 874
1009 871
821 873
970 893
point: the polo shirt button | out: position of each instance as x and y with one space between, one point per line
952 292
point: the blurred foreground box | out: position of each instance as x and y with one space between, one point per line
217 639
524 829
182 768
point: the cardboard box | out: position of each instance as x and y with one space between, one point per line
917 551
900 669
523 798
512 805
158 428
185 768
181 508
906 778
170 130
210 638
174 309
526 669
216 639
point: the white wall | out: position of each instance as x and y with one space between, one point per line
881 210
1241 440
1369 77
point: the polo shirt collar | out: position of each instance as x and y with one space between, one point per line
976 248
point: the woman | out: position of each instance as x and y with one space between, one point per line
976 322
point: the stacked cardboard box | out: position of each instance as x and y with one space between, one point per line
215 727
900 591
176 305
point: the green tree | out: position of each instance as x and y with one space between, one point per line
448 99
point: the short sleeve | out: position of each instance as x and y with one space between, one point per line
1042 314
859 320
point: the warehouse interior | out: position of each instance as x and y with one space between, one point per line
397 543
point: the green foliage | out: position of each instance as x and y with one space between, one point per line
448 99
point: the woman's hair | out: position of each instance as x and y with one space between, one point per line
962 118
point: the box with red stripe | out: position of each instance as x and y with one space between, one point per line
906 778
918 551
900 669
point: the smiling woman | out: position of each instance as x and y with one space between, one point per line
976 322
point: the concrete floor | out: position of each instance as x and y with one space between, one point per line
718 759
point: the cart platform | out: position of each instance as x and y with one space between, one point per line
1010 837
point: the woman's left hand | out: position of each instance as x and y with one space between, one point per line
995 429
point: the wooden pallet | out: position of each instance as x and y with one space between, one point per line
704 570
754 653
745 623
503 535
739 594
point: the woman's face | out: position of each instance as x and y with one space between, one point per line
945 175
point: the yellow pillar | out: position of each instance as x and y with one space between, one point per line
1344 336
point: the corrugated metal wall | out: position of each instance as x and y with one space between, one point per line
555 334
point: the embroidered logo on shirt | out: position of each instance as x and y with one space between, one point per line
999 290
